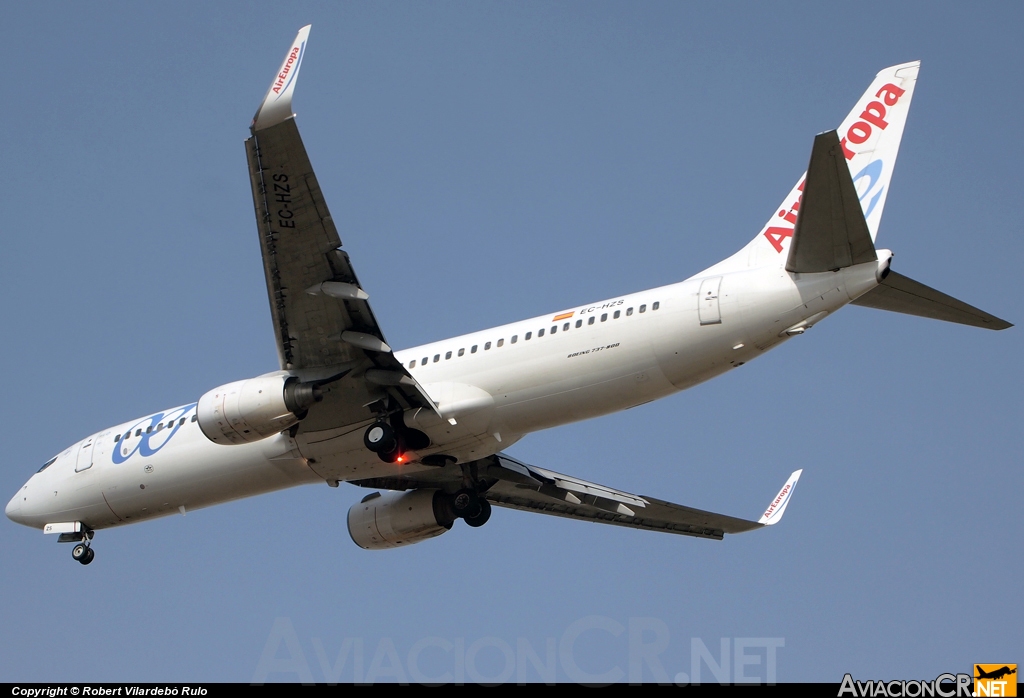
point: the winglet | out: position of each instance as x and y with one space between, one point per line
277 104
778 506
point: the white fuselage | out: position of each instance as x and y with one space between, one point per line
491 387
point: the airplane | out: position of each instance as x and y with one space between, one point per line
426 428
995 673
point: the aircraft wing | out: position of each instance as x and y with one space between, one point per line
323 323
517 485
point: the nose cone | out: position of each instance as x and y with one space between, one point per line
13 509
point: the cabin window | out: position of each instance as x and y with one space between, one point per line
487 345
617 314
565 327
629 311
528 335
515 338
195 418
655 305
604 316
554 328
501 342
117 437
462 351
643 308
412 364
447 355
591 320
138 432
181 422
423 361
437 357
579 324
473 349
149 429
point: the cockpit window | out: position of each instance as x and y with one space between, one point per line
47 464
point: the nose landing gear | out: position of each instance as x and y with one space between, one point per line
83 552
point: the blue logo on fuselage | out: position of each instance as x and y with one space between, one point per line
151 439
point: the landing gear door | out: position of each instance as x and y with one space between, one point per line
707 301
85 455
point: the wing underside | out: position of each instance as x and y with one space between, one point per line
322 319
516 485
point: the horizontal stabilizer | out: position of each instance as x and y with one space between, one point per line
830 231
902 295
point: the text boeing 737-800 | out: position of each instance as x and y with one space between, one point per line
427 425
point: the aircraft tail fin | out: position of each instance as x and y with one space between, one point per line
869 138
900 294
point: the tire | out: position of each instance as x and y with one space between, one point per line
391 455
380 438
90 554
80 553
466 504
482 515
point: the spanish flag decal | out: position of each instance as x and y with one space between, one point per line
563 316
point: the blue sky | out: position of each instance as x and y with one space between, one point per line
487 163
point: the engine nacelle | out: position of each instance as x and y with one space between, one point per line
393 519
253 409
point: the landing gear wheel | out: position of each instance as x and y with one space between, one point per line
466 504
83 553
481 516
380 438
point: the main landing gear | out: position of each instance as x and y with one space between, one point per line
382 440
470 507
391 441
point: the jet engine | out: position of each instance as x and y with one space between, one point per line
393 519
253 409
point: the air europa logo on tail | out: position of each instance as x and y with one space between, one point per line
282 77
871 118
783 496
777 234
873 115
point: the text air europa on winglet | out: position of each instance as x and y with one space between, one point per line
870 138
277 104
773 514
